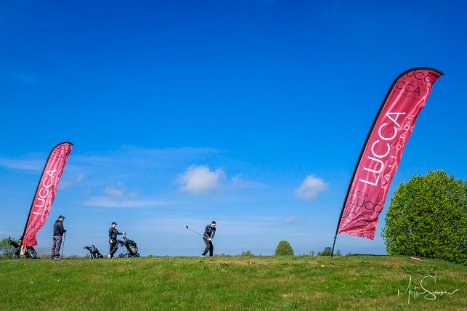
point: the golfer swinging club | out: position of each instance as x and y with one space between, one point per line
209 233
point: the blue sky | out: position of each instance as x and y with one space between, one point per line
182 112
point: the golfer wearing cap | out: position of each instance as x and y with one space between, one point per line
57 238
113 239
208 235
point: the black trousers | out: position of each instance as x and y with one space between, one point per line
209 247
113 248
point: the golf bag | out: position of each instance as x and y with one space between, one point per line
131 247
30 251
94 252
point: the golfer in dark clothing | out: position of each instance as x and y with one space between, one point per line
113 239
57 238
208 235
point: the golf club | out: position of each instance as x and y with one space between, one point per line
194 231
63 244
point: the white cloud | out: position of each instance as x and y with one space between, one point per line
146 158
293 220
113 202
239 183
310 188
118 197
72 181
115 191
199 179
26 165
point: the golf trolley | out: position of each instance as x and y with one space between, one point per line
94 252
131 247
30 251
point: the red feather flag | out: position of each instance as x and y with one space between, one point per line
382 151
45 192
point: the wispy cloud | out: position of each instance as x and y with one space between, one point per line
238 182
87 172
199 179
116 196
126 159
293 220
116 191
310 188
145 157
76 178
111 202
23 164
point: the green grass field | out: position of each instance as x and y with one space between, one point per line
233 283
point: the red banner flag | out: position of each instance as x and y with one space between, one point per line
45 192
382 151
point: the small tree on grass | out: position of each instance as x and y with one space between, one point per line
283 249
326 252
427 217
246 253
6 250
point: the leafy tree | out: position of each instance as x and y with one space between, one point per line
246 253
6 250
283 249
427 217
326 252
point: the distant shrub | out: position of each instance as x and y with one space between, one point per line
246 253
6 250
284 249
326 252
223 255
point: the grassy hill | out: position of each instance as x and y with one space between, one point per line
233 283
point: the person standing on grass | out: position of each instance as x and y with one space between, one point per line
113 239
208 235
57 238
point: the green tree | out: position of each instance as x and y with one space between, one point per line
283 249
246 253
326 252
6 250
427 217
